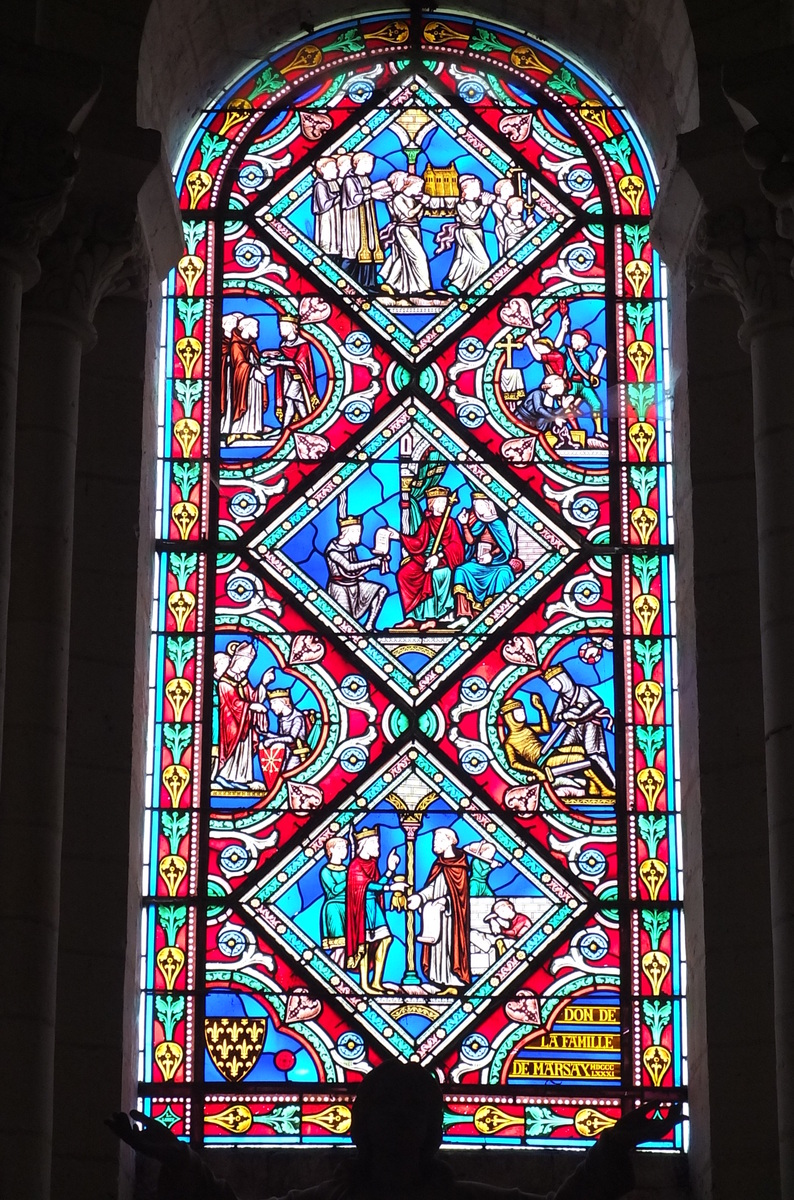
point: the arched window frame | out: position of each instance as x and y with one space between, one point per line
645 590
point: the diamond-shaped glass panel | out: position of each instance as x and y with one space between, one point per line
413 550
416 905
435 219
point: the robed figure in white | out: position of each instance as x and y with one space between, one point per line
407 270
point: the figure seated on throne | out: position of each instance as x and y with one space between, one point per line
432 550
490 564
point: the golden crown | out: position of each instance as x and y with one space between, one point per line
361 834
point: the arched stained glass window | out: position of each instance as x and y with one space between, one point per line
412 767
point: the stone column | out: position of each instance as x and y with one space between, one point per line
746 256
37 166
80 265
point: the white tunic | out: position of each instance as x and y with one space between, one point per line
407 270
471 259
437 922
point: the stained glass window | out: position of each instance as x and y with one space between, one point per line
412 769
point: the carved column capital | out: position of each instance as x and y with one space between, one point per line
87 259
742 254
38 164
769 151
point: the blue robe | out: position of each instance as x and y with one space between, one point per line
538 410
479 581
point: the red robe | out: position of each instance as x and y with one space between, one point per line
241 365
361 872
519 924
552 360
234 715
300 355
414 582
226 345
456 875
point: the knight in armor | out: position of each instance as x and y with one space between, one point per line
347 586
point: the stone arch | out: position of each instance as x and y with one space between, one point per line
645 53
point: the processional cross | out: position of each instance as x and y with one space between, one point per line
509 344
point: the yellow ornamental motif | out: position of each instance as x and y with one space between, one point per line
395 32
168 1056
184 515
181 605
234 1044
596 113
638 272
490 1119
198 183
590 1123
648 695
650 781
186 432
188 351
644 520
526 58
173 870
175 780
237 1118
639 354
656 968
646 609
436 33
307 56
170 960
632 189
191 268
642 436
336 1118
653 873
237 111
657 1061
178 691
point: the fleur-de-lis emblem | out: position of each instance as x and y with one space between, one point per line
234 1044
638 272
650 781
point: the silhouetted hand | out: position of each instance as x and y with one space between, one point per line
607 1171
634 1128
149 1137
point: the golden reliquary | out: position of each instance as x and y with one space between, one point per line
441 181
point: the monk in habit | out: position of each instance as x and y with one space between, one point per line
247 381
446 914
229 322
431 553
